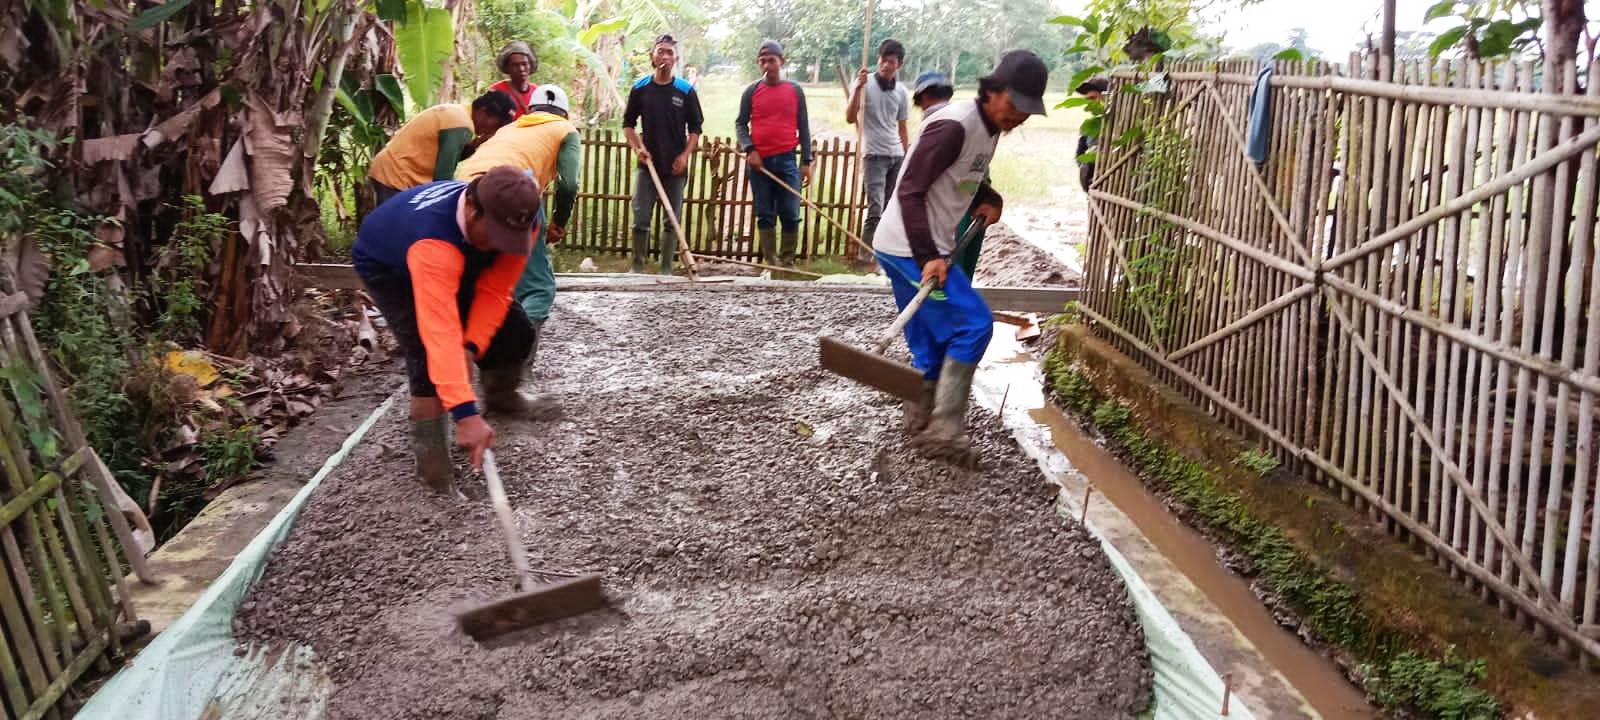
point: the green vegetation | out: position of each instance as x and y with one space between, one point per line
105 349
1439 688
1257 461
1395 675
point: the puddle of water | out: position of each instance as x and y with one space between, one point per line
1012 374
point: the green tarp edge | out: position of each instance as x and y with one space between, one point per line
192 663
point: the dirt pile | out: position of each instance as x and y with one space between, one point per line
1009 260
771 548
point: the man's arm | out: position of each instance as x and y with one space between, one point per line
937 149
904 116
741 125
803 122
491 298
453 144
435 268
694 123
568 168
853 108
987 202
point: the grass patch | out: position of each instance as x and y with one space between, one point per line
1397 677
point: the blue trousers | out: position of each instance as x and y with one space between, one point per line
953 322
772 202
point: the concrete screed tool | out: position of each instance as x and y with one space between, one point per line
560 596
870 367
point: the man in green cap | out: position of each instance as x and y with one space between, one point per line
519 63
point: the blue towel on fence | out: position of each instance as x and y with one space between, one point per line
1261 117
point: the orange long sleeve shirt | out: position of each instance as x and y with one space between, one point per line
420 233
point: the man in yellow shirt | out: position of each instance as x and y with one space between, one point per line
429 146
545 143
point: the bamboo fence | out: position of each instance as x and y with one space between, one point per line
62 594
1401 300
718 214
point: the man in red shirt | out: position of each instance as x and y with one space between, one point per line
518 62
772 123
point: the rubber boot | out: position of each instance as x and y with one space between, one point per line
945 438
501 396
430 444
641 246
791 243
862 257
769 245
669 250
917 412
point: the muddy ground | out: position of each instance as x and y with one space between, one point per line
1009 260
770 547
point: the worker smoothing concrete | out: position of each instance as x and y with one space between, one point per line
945 174
428 146
440 261
545 143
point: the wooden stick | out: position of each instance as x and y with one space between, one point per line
1518 101
1243 248
1587 180
1283 301
816 210
763 266
672 217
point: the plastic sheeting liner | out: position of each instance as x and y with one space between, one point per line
192 667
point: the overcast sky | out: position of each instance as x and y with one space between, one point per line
1333 27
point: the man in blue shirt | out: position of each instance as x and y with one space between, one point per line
440 261
670 109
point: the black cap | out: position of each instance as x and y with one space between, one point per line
1025 75
769 47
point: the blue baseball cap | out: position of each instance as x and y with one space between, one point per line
929 80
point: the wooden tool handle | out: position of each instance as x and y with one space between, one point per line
672 217
900 320
508 524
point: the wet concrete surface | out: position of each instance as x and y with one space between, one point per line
770 547
188 563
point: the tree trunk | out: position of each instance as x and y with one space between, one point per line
1564 21
350 29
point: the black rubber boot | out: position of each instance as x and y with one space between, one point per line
501 396
669 250
917 412
791 244
768 238
641 247
430 445
945 438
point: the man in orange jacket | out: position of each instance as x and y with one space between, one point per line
440 261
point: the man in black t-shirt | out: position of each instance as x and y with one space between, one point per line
670 108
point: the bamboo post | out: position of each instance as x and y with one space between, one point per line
861 109
1581 501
